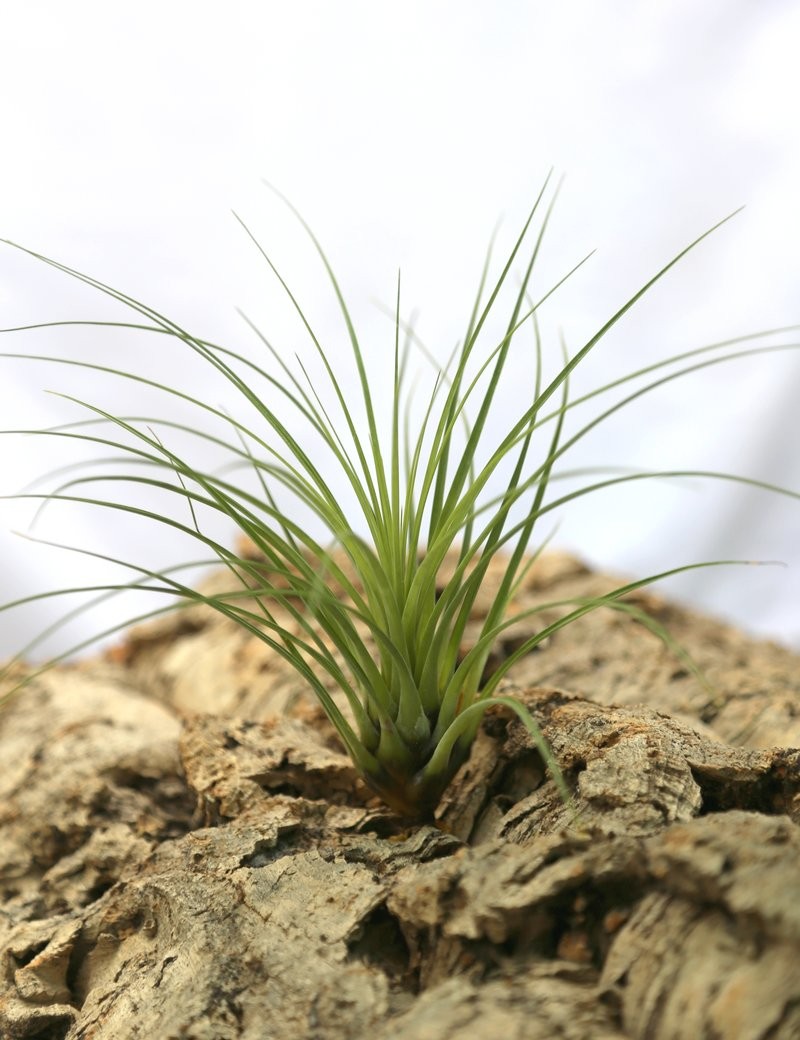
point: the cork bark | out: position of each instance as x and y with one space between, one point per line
185 851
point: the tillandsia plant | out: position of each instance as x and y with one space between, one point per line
377 607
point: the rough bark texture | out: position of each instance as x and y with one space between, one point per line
186 853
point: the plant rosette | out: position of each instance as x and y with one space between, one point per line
375 606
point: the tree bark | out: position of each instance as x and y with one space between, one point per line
185 851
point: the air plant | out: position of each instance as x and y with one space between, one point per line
377 607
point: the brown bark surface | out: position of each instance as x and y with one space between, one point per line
185 852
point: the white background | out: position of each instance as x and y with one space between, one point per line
403 132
